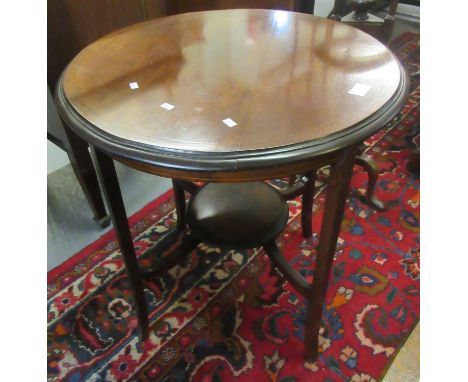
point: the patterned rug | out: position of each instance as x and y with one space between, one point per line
227 315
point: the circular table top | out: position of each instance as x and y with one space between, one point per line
224 90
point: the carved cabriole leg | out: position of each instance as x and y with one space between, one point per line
366 162
337 191
111 189
307 204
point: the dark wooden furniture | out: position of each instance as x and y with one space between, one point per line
71 26
381 29
182 6
82 165
74 24
232 97
358 13
355 13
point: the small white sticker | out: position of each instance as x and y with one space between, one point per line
167 106
133 85
229 122
359 89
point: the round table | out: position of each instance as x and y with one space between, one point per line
232 96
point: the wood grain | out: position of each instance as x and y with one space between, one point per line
230 64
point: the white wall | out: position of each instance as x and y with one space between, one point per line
323 7
56 158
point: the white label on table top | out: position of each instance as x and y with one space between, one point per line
167 106
250 41
229 122
359 89
133 85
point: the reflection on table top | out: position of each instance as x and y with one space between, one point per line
228 81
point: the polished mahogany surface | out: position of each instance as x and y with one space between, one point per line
284 78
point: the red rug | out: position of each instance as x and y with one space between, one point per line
227 315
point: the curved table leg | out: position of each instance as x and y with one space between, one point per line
366 162
111 189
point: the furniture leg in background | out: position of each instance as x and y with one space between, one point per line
368 164
83 167
304 186
80 159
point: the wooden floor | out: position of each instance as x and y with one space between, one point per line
405 367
